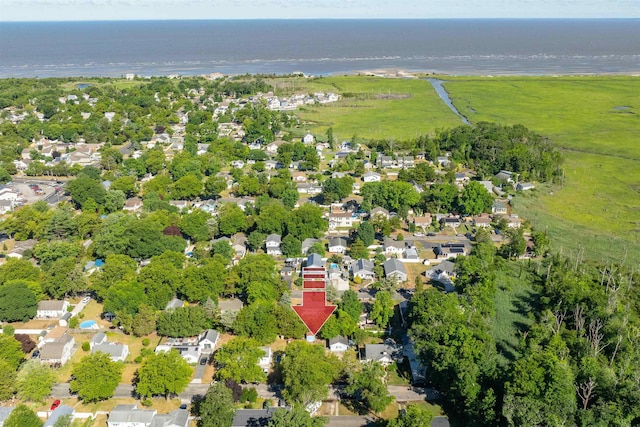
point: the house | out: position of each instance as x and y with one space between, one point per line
130 416
239 249
299 177
252 417
337 245
97 339
57 352
193 347
133 204
340 220
270 165
180 204
393 247
482 221
443 161
173 304
406 162
499 208
411 254
338 344
355 188
57 413
450 250
176 418
385 354
308 139
393 268
117 352
19 248
273 244
52 309
315 261
525 186
5 411
64 320
265 361
386 162
363 268
513 221
307 243
422 222
506 176
444 273
379 212
309 188
371 177
238 164
451 221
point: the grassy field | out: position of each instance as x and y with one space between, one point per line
514 298
596 122
373 108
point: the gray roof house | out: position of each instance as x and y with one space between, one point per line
395 269
384 354
315 260
443 273
97 339
337 245
252 417
307 243
57 352
393 247
52 309
60 411
5 411
273 244
130 416
363 268
116 352
174 303
379 211
177 418
338 344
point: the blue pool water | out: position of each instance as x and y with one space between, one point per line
88 324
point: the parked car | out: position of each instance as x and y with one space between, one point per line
203 361
85 300
418 234
55 404
35 354
183 406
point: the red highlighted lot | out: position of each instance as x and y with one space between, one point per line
314 310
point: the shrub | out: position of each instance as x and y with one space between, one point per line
147 402
8 330
73 322
86 346
249 395
145 342
138 359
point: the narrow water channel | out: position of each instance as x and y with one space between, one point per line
444 95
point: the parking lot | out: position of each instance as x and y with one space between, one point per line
34 190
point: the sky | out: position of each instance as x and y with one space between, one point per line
92 10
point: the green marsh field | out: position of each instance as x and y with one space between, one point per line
594 120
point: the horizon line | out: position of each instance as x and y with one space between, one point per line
326 19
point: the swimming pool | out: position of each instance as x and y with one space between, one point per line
89 324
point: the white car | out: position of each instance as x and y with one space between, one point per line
418 234
85 300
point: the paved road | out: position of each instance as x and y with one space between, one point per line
350 421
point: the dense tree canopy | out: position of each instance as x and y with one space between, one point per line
95 377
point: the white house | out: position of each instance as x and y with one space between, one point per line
193 347
308 139
525 186
265 361
363 268
393 247
117 352
384 354
378 211
393 268
371 177
57 352
337 245
273 245
133 204
52 309
338 344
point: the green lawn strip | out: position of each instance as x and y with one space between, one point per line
513 301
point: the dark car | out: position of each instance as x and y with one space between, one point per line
203 361
183 406
35 354
55 404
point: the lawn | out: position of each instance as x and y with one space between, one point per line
514 300
595 121
373 107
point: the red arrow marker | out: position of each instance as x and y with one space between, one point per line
314 310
